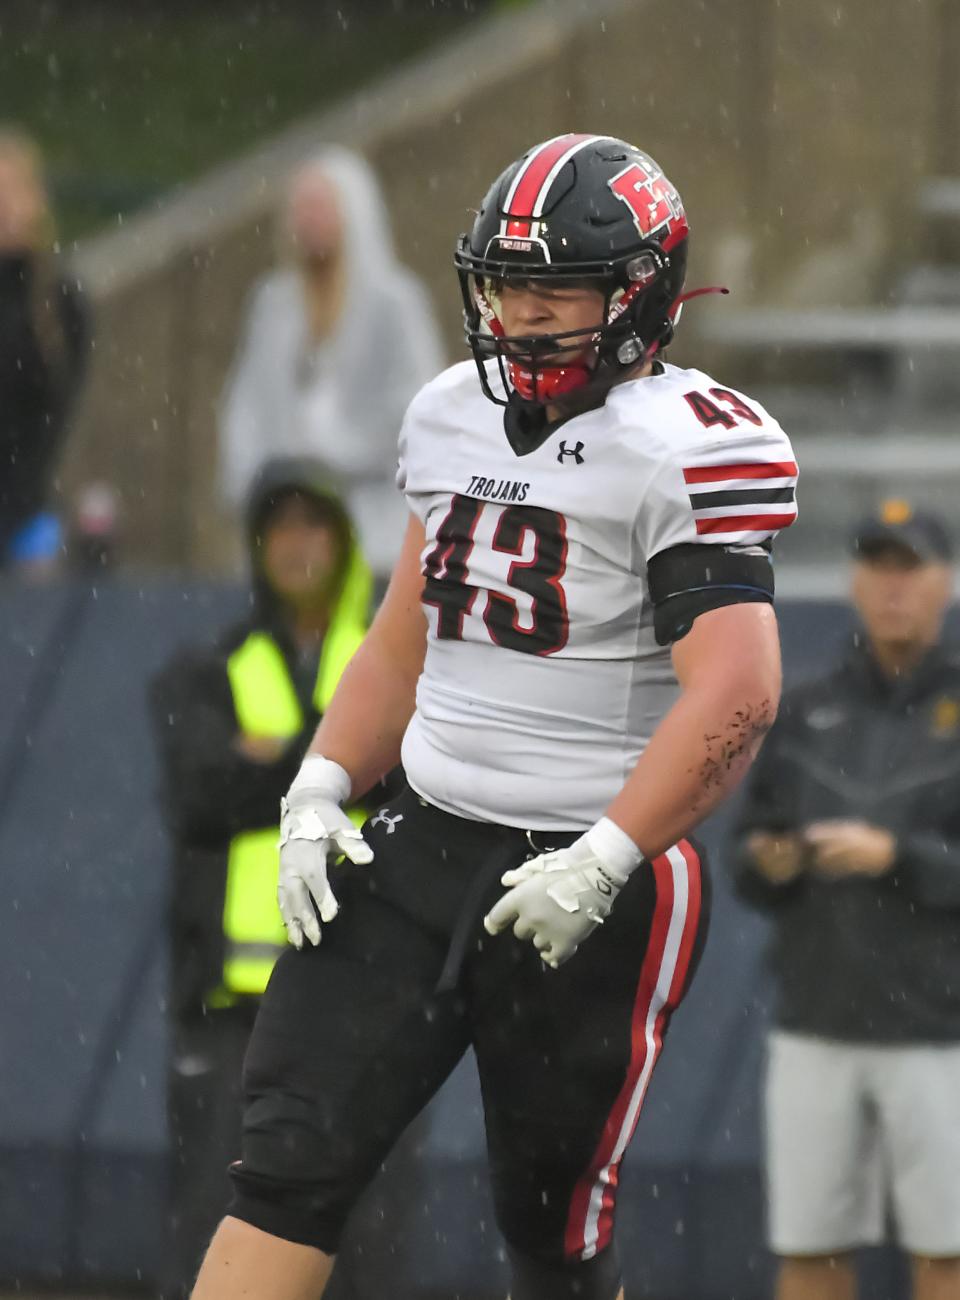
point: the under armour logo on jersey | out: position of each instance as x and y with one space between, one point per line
570 451
383 818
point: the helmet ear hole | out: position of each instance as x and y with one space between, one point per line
642 270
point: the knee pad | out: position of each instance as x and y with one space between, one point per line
579 1279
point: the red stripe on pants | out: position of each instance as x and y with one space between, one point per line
603 1170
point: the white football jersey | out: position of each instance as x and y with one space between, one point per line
543 681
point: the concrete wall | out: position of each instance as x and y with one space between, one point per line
795 130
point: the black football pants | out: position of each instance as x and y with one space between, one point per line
356 1035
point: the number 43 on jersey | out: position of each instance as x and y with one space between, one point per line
447 572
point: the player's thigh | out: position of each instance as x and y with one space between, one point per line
824 1177
565 1057
351 1041
918 1094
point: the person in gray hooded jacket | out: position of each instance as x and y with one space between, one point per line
336 342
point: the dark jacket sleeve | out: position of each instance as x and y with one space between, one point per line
768 806
65 379
928 865
212 790
75 314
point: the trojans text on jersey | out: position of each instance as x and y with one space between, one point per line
496 489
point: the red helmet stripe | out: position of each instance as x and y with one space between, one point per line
531 185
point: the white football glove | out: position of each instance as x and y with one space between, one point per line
559 898
314 828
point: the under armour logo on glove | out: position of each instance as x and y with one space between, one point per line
384 819
570 451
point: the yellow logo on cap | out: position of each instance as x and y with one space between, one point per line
946 717
896 511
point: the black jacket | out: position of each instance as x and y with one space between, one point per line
211 792
39 379
873 960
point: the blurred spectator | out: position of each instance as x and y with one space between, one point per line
336 343
850 838
232 724
94 532
43 341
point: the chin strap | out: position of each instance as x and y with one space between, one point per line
674 312
695 293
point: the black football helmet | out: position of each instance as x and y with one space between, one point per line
579 208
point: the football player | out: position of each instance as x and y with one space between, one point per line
576 660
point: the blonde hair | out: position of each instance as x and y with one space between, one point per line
20 149
324 302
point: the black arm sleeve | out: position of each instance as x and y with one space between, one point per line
212 790
688 580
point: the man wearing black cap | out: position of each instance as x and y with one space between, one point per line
850 839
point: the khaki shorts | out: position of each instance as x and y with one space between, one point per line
857 1133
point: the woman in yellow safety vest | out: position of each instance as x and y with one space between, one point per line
232 724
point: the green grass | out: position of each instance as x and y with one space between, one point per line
126 105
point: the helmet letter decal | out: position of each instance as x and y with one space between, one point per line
654 202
